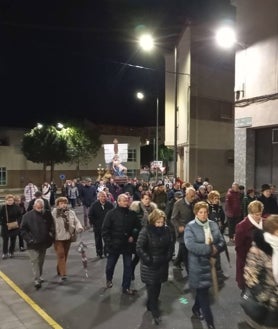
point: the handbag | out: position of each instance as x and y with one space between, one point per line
73 236
11 225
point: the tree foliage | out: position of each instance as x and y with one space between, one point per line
45 145
49 145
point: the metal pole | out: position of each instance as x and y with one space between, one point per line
175 113
156 133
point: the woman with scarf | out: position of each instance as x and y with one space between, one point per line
261 276
244 237
204 242
67 225
155 248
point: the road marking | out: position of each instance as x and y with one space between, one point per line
30 302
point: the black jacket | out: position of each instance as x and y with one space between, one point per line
155 250
97 213
119 224
38 229
14 214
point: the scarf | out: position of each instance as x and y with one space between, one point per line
207 231
258 225
64 213
273 241
159 231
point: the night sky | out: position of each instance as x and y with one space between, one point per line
62 60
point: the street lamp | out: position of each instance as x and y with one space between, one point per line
225 37
147 43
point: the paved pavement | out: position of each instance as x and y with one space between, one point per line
84 302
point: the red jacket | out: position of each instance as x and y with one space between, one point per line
232 204
243 240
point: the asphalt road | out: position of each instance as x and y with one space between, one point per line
84 302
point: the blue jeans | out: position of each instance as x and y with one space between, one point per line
202 302
110 267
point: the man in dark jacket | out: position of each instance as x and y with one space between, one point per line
38 195
119 231
88 195
182 214
270 204
38 230
96 215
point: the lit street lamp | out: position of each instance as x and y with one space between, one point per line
225 37
147 43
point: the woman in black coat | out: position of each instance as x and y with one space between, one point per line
155 248
10 212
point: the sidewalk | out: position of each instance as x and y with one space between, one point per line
18 311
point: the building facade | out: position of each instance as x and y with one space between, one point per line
256 93
16 170
205 121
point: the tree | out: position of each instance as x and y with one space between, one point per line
49 146
83 144
46 145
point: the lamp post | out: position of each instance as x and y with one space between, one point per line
140 95
146 42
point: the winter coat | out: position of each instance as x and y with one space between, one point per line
258 274
199 253
155 251
37 229
216 214
61 233
119 224
14 214
243 241
270 205
142 212
97 213
182 214
88 195
161 199
233 204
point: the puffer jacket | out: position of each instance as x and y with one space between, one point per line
199 253
119 224
61 233
155 250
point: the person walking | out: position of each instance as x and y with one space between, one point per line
38 231
10 216
96 215
67 225
203 241
261 277
142 209
233 210
88 195
119 231
29 193
155 247
182 214
244 238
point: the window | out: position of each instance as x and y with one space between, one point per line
274 136
131 156
3 176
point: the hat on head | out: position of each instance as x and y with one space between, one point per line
265 187
178 194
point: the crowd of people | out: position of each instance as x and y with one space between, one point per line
143 222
